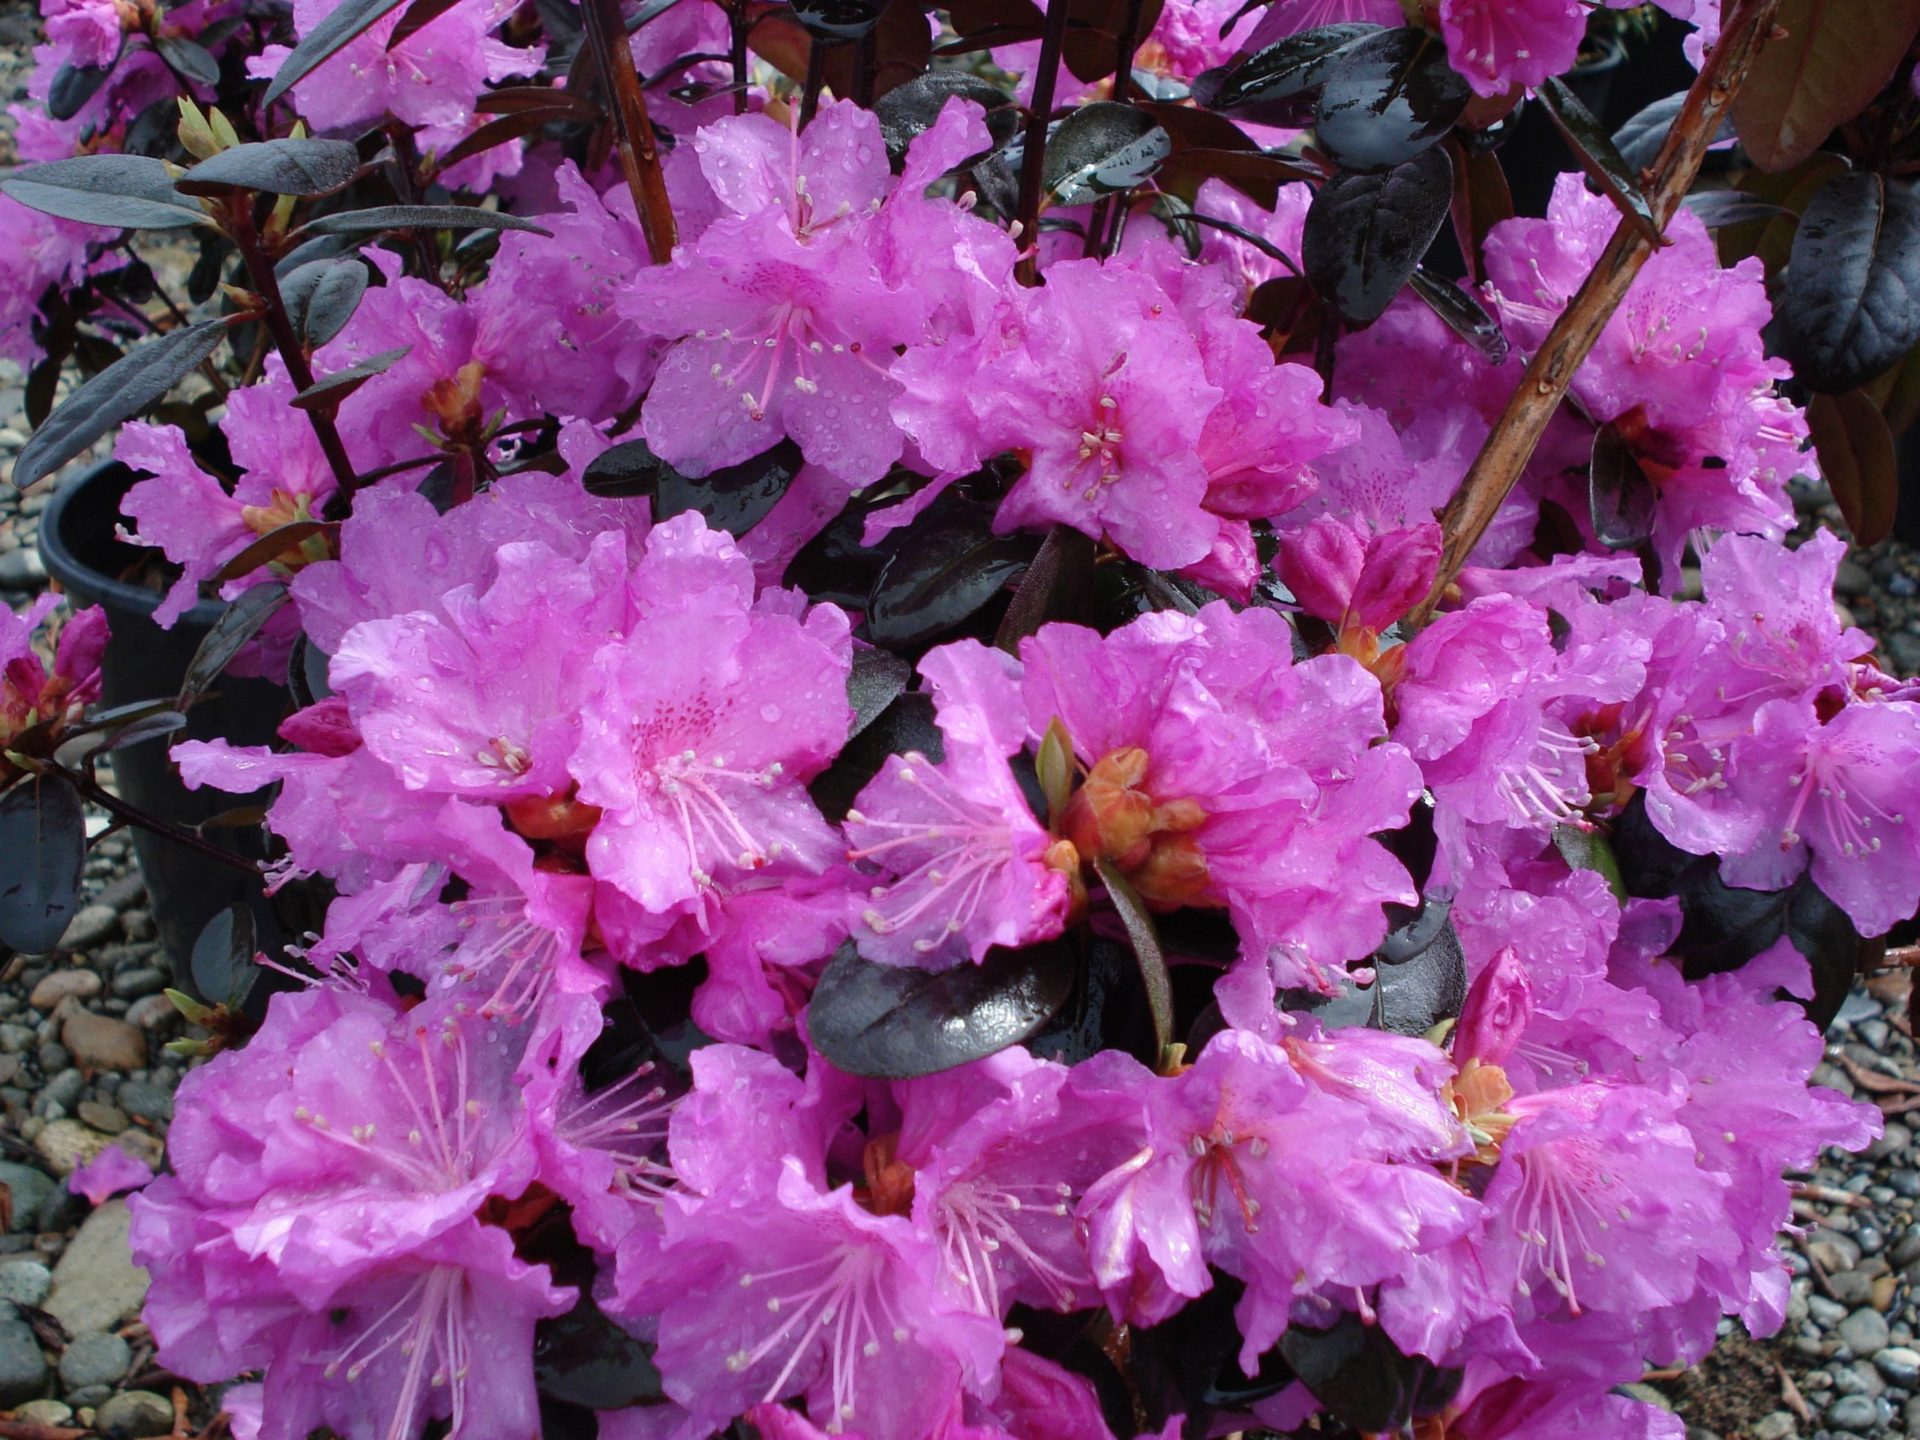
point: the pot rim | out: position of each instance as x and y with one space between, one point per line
80 581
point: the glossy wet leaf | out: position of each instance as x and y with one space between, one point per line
909 110
275 167
120 392
1283 71
1598 155
420 14
875 682
1100 149
43 848
1058 585
1852 302
1620 498
1464 314
1362 1378
1855 447
127 192
328 391
838 21
381 218
734 499
340 27
272 545
1147 955
585 1358
1421 977
893 1023
1640 138
1365 234
905 726
237 624
222 961
946 566
1824 62
1388 98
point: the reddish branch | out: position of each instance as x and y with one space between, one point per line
633 136
1516 434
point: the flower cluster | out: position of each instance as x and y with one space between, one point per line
915 802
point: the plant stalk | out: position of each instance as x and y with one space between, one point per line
1033 160
1517 432
632 129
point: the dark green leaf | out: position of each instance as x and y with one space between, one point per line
734 499
129 192
307 672
419 14
270 546
1598 156
417 217
1852 302
343 24
188 59
1387 99
1620 498
875 682
838 21
73 86
1365 233
153 725
909 110
1363 1379
276 167
121 391
1058 585
43 845
321 296
239 623
586 1359
329 390
1146 951
1855 447
1825 62
1587 849
1102 148
947 565
888 1022
1717 209
1464 314
904 727
1283 71
222 963
1640 139
1421 977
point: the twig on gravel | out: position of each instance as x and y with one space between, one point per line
1790 1395
1828 1195
30 1430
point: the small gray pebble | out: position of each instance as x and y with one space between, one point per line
25 1282
145 980
1853 1412
1905 1183
63 1089
134 1415
29 1189
1850 1287
1779 1425
107 1119
1900 1365
23 1369
53 1058
15 1038
94 1360
1864 1331
144 1100
87 929
1826 1313
1868 1237
90 1394
1907 1249
62 1210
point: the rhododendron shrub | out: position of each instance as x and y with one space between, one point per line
987 751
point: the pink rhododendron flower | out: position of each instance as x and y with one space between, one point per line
965 859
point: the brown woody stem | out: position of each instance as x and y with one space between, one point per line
1033 160
633 136
1517 432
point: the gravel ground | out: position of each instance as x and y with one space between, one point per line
82 1066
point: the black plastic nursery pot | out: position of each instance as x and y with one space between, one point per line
144 662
